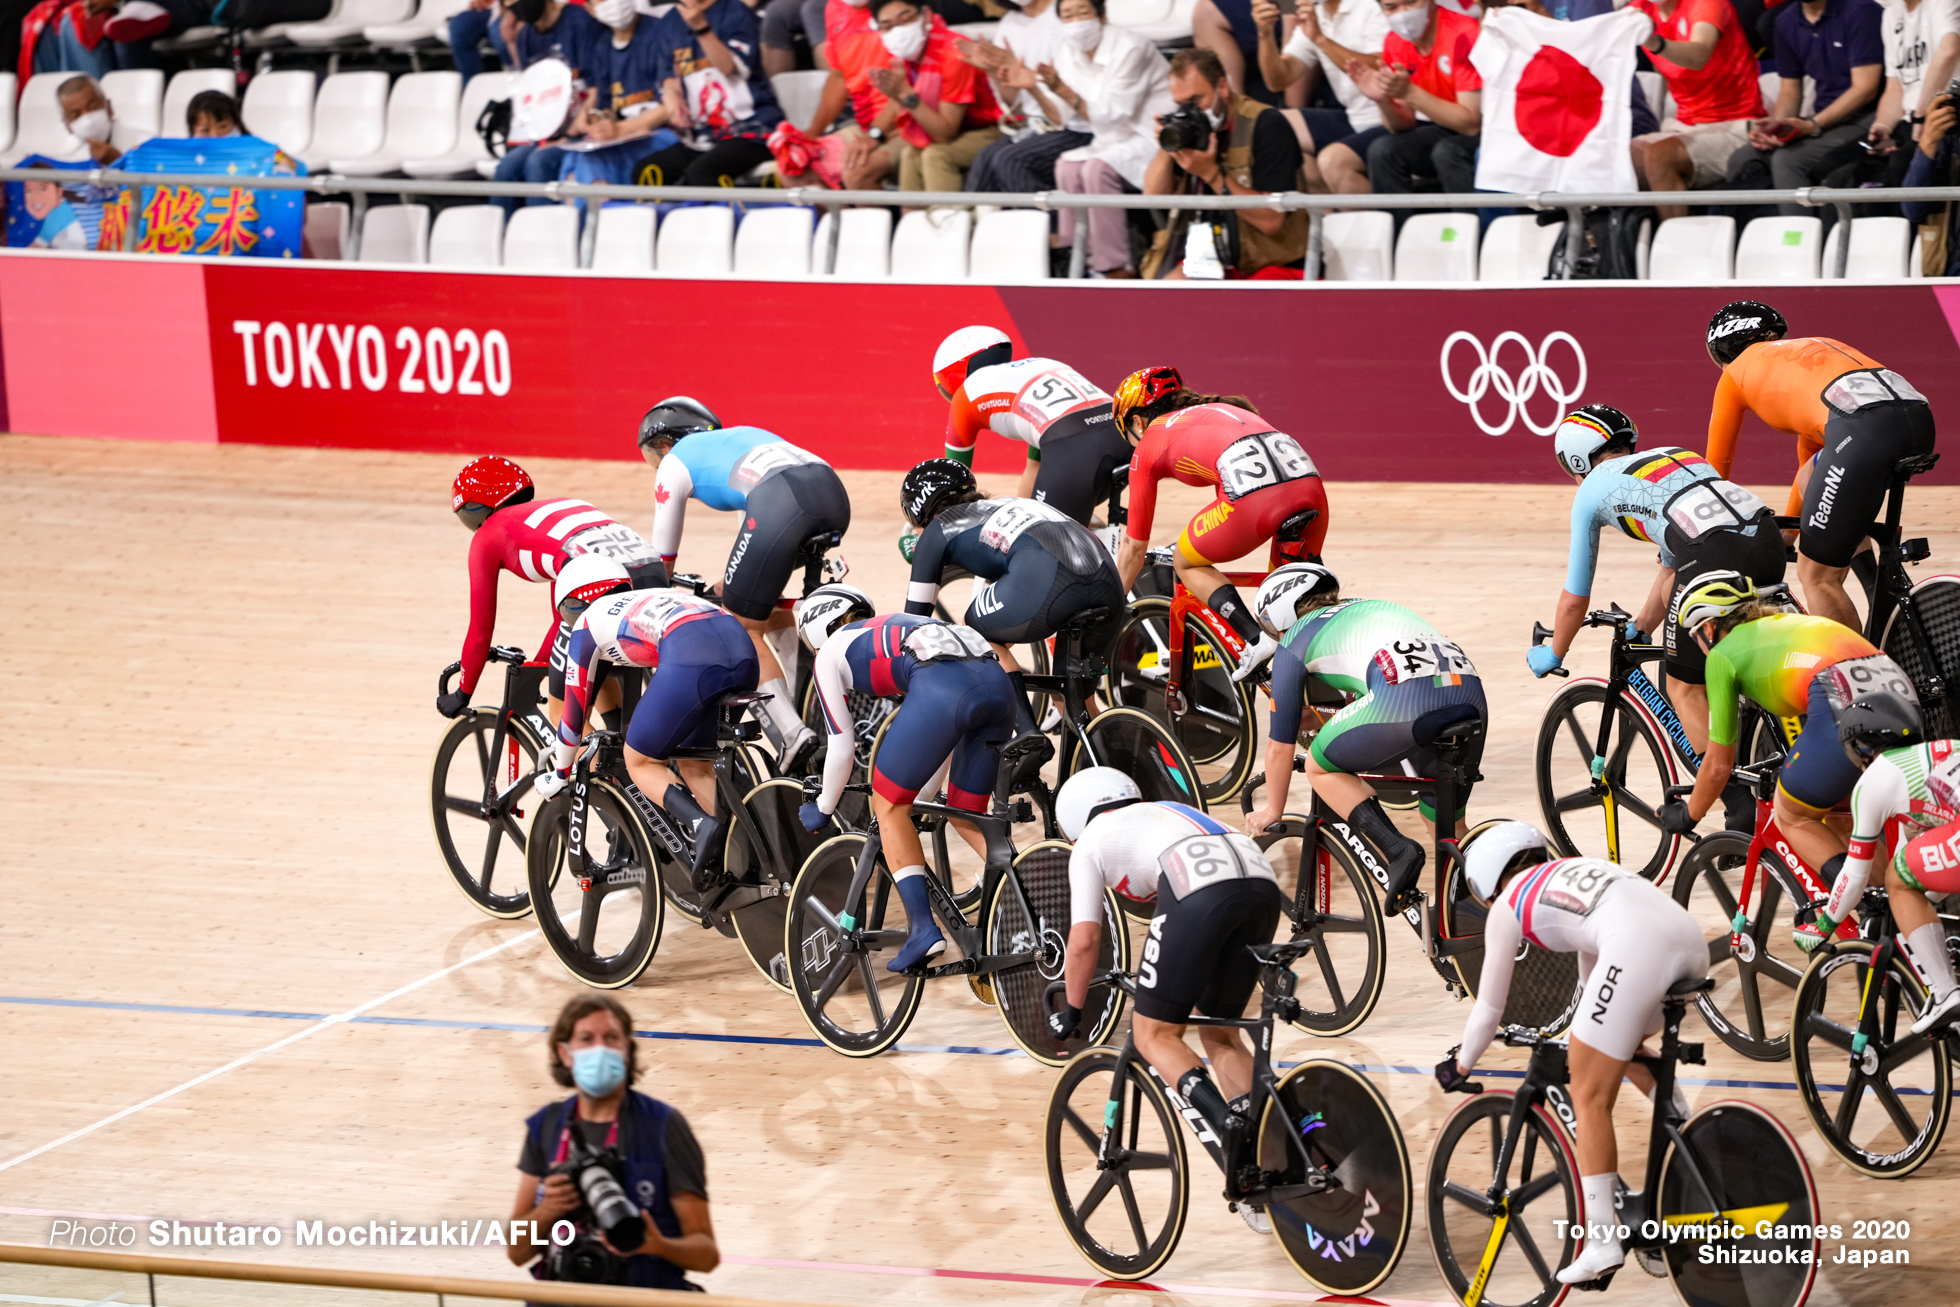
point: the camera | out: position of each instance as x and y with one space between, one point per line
1186 128
599 1177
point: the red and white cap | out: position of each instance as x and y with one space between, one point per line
488 482
583 579
962 351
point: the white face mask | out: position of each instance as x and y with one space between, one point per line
1216 116
613 13
1084 35
1409 24
91 126
906 42
858 4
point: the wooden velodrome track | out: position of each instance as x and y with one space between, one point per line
222 663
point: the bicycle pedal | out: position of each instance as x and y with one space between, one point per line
1653 1261
1597 1285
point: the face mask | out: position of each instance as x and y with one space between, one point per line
1409 24
91 126
613 13
1083 35
906 42
1216 117
527 11
858 4
598 1070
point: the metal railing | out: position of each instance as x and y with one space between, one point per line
817 197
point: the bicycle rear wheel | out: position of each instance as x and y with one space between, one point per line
1215 726
1884 1108
1937 599
1541 1188
1133 741
853 1004
767 837
1144 1165
1042 872
480 803
1340 981
1758 1174
1544 985
1747 1009
604 927
1640 765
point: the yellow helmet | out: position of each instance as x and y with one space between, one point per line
1712 596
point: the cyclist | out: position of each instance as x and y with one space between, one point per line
1036 567
1634 943
1060 415
1853 418
1404 681
1788 664
534 545
1215 895
695 652
1268 489
1917 780
786 496
956 715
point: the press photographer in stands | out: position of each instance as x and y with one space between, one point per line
622 1167
1934 164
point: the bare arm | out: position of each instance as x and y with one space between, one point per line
1131 553
1463 115
1079 966
695 1249
560 1198
1568 620
1710 780
1694 52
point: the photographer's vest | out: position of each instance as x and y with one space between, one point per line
643 1132
1256 249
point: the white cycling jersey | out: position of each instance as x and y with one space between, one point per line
1148 848
1920 783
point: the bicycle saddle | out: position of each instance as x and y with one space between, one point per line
1448 728
1087 619
1687 988
738 698
1907 468
821 541
1296 526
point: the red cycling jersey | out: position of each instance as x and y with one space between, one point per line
1020 400
1263 478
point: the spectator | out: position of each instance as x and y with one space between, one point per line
67 36
850 42
1350 26
88 116
213 113
1700 49
723 112
469 29
1041 123
1430 97
548 29
1228 29
591 1047
784 22
1252 151
940 110
1933 164
628 114
1838 46
1119 84
1922 44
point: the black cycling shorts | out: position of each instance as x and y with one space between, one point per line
786 508
1760 557
1196 953
1852 473
1037 595
1079 455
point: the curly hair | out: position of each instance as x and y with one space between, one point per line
577 1010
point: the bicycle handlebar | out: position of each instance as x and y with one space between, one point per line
1542 634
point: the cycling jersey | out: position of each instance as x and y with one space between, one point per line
1262 476
1772 661
719 468
1921 785
1642 495
1023 400
623 629
1145 850
1783 383
533 541
1039 568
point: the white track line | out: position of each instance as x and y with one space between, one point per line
235 1063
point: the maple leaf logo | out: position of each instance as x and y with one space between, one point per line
751 524
660 495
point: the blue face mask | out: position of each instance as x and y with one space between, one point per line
599 1069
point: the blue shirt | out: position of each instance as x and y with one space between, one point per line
1628 493
633 75
716 119
1847 37
577 38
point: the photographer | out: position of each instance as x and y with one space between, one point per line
1219 143
1933 165
622 1167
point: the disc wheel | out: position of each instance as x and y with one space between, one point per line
837 968
1345 1240
1042 874
944 847
766 845
1133 741
1937 600
1639 767
482 804
750 767
1540 1186
1544 985
1124 1205
1758 1174
1749 1008
1215 723
605 926
1883 1108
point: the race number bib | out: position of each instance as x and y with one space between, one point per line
1422 655
1009 523
615 541
1943 780
1577 884
1260 460
764 459
1054 393
1200 860
1855 678
932 641
655 612
1855 390
1712 506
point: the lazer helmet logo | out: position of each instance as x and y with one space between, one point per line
1720 329
1490 376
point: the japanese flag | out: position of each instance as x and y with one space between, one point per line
1557 101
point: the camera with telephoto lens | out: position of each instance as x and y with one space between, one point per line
1186 128
599 1176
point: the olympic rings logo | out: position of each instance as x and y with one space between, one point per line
1490 376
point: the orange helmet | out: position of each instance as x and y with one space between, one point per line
1141 389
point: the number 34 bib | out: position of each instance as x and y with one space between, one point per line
1417 656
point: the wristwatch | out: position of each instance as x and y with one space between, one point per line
876 134
702 30
910 101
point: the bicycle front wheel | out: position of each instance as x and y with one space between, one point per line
837 948
1620 825
1518 1265
603 925
1214 723
1884 1106
1937 600
1758 1177
480 803
1142 1167
1340 981
1042 875
1133 741
766 845
1749 1007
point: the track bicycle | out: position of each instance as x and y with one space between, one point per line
1727 1209
1917 626
1327 1163
483 773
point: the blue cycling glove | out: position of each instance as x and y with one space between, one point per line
812 817
1541 659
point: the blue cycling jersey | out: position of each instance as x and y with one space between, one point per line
1628 493
719 468
710 458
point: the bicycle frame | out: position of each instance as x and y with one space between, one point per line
1176 658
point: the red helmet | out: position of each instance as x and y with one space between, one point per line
1141 389
967 350
487 484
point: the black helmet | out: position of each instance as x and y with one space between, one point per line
931 485
1883 720
675 417
1735 327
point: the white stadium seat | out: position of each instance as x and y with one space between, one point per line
864 244
469 150
1916 261
798 94
774 242
1437 247
396 233
468 236
350 119
1879 247
624 241
40 129
187 86
1010 246
697 241
1357 246
1780 249
8 83
1654 86
429 23
137 95
1154 20
421 124
932 245
1516 248
542 236
1693 249
328 226
279 107
275 34
350 18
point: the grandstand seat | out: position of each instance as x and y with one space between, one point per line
469 150
982 31
38 128
191 38
1654 86
1780 249
1916 261
351 18
1009 246
350 119
864 244
697 240
1357 246
798 93
185 87
1437 247
421 124
395 233
1516 248
328 226
624 241
279 107
774 242
137 94
468 236
428 25
8 84
1693 249
1879 247
274 34
542 236
931 245
1161 21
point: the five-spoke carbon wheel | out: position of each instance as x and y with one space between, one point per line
1214 724
1116 1167
603 924
1537 1199
483 808
837 947
1639 767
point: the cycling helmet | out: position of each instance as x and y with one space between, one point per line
824 609
675 417
585 579
968 350
1885 720
1141 389
1735 327
1090 793
1586 431
1487 853
932 485
485 485
1712 596
1277 606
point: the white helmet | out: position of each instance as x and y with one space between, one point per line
1588 431
1490 851
966 349
1283 591
1090 793
824 609
585 578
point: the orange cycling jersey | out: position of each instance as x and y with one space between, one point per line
1782 382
